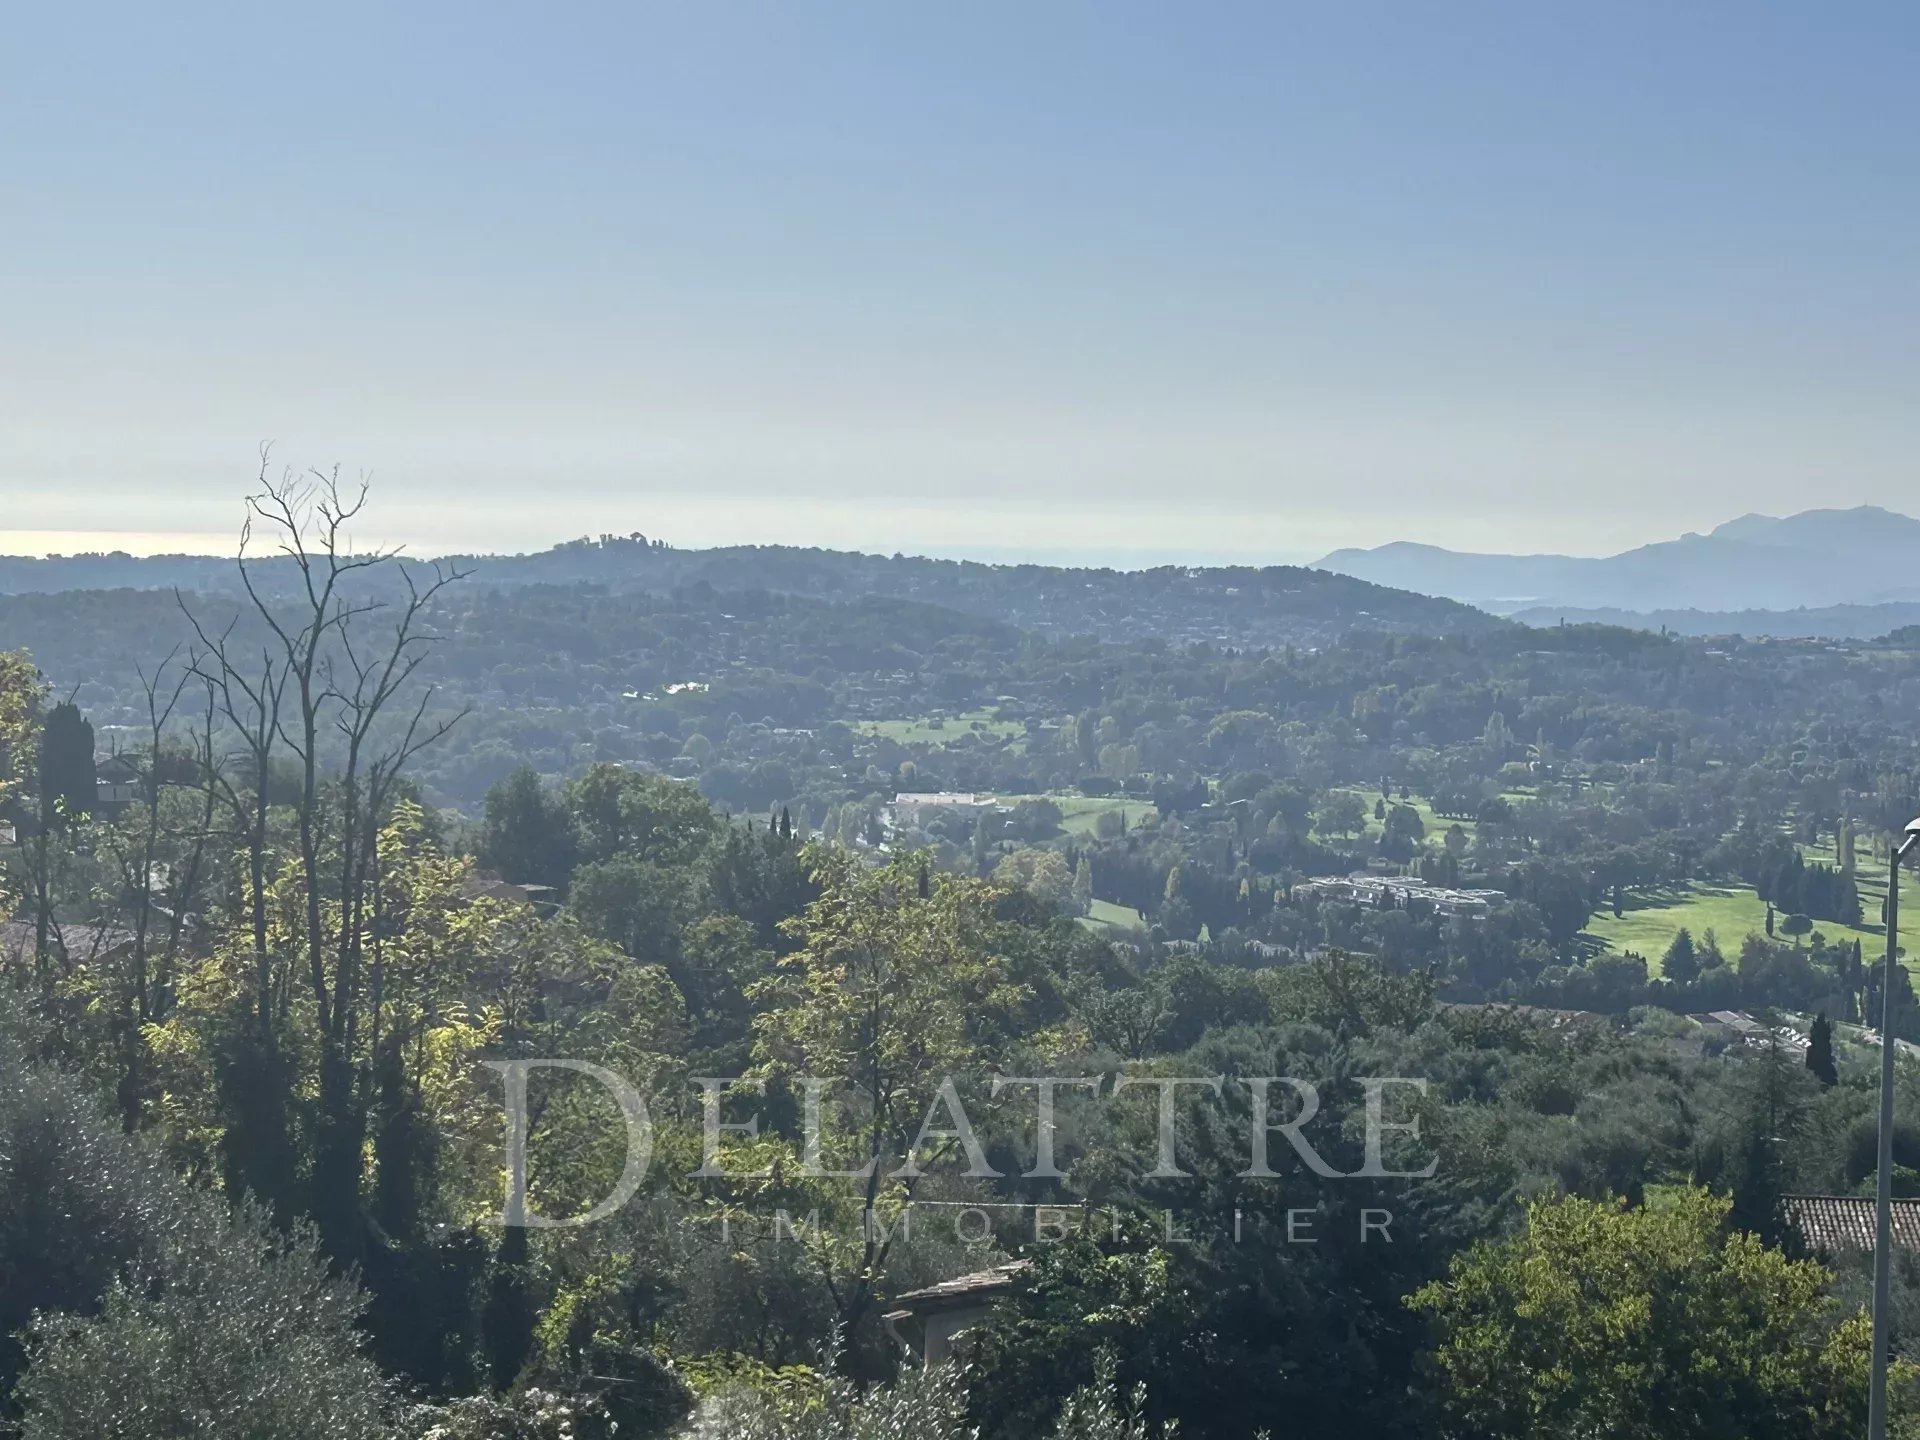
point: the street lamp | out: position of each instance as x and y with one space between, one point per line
1883 1207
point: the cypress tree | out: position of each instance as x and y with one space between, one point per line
1820 1051
67 781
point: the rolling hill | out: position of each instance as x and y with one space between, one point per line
1237 606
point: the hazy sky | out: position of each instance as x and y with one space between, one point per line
1085 281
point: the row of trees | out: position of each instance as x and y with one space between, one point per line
1793 887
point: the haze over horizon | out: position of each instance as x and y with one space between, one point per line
33 544
1085 284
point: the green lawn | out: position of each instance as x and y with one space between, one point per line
1651 920
942 729
1079 813
1107 916
1436 826
1732 912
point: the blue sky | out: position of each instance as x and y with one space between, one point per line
1097 282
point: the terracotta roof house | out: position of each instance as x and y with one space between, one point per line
1837 1225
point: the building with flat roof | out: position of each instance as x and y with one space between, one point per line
1402 892
912 807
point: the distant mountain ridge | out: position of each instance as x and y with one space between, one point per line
1816 558
1239 606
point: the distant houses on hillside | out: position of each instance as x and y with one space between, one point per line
911 808
1743 1029
1402 892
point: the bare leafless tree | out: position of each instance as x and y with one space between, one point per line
143 860
186 886
364 684
339 666
249 696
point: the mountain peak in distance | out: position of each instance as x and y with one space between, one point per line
1858 556
1866 524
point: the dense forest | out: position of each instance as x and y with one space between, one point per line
311 866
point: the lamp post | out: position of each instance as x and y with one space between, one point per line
1883 1206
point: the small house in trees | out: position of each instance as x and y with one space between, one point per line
481 885
928 1322
116 784
76 944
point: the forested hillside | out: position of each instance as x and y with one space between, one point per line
1271 606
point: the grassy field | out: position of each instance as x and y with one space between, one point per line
1732 912
1107 916
1436 826
1651 920
942 729
1079 813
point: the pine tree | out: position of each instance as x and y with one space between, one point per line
1681 963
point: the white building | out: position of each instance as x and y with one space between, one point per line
1402 892
912 808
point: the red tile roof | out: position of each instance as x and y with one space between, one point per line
1839 1224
